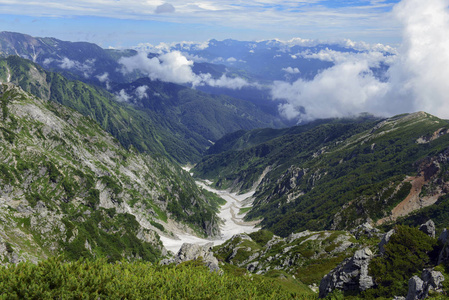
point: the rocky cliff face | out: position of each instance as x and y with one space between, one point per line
66 186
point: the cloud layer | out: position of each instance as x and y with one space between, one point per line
175 67
416 79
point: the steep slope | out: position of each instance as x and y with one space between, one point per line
339 174
239 159
166 118
210 116
66 186
145 130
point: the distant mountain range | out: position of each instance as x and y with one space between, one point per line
286 165
253 66
171 119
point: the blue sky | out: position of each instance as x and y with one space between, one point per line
125 23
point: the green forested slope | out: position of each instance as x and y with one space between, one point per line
334 175
179 122
142 129
66 186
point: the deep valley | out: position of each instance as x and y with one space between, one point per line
116 183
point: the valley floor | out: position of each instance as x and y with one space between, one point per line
229 213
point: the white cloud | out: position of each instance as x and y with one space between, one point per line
104 77
175 67
224 81
141 92
195 58
417 78
231 59
67 63
48 61
170 67
374 58
291 70
122 96
165 8
86 67
343 90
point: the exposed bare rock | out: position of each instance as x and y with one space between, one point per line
444 240
433 279
193 252
385 240
444 236
418 288
350 275
428 228
366 229
415 288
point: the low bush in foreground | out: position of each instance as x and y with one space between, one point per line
86 279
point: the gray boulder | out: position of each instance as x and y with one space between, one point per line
385 239
418 288
444 236
351 274
415 288
444 239
428 228
193 252
433 280
366 229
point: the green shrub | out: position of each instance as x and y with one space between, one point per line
86 279
406 254
53 171
261 237
157 225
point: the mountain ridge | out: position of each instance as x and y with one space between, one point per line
68 187
163 128
332 184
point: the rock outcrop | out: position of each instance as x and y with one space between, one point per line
350 275
290 254
428 228
418 288
366 229
444 239
193 252
415 288
386 237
